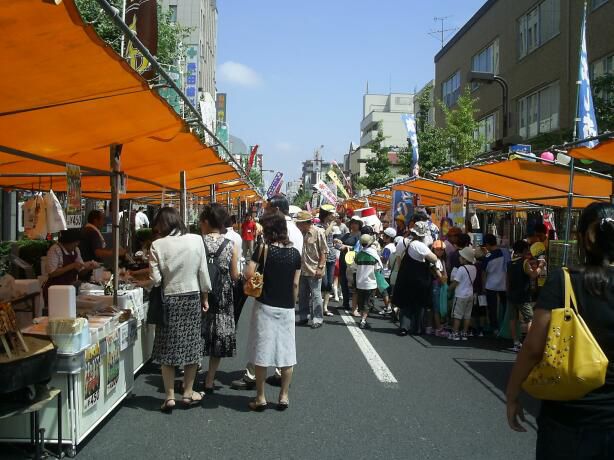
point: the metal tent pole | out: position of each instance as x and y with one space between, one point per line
114 157
183 205
569 209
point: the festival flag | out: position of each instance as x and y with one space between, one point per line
348 182
409 119
252 156
142 18
278 188
326 192
586 121
275 183
338 183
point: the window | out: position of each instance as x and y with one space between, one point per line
600 68
173 11
539 112
486 131
486 60
450 89
597 3
538 26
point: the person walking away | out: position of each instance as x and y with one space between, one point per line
440 279
519 276
237 286
141 220
178 264
338 295
494 277
401 245
345 244
463 278
387 256
272 330
248 234
315 252
581 428
366 262
219 328
327 218
413 287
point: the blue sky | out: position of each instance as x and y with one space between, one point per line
295 71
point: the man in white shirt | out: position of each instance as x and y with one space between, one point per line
234 237
141 220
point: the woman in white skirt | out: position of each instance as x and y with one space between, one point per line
271 337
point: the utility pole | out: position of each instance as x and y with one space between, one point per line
440 34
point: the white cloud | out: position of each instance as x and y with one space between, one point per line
240 74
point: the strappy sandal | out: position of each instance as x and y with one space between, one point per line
191 402
282 405
256 406
167 407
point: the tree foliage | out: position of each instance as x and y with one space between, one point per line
256 177
302 197
603 90
170 34
378 168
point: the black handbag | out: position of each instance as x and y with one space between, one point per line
157 313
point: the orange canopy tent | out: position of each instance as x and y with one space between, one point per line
603 152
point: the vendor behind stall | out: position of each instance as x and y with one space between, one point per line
93 245
64 261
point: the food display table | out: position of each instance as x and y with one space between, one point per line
94 380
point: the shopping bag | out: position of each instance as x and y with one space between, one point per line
382 284
443 300
55 214
38 222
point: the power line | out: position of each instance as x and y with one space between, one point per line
440 34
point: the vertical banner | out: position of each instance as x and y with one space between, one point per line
191 74
587 122
252 156
402 205
142 18
278 188
73 195
348 182
91 392
220 107
409 120
274 184
112 369
457 208
326 192
340 188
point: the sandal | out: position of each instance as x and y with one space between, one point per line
209 391
329 313
256 406
168 406
191 402
282 405
356 313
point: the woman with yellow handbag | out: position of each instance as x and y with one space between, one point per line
565 358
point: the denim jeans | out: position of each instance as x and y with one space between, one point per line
310 299
556 441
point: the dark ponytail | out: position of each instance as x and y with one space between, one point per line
596 246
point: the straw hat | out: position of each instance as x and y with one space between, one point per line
468 254
303 216
366 240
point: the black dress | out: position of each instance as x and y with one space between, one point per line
412 292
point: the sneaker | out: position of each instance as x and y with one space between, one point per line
316 325
464 336
517 346
441 333
481 334
429 331
454 336
243 384
364 325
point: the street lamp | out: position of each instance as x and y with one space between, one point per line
489 77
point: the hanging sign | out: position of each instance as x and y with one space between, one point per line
326 192
112 369
457 207
92 377
73 194
274 184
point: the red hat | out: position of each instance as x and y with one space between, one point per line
369 212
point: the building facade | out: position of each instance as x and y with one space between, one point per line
201 17
313 171
534 46
292 189
380 112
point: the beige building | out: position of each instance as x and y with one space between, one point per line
534 46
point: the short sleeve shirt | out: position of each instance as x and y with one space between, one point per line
90 243
465 276
279 270
314 245
55 257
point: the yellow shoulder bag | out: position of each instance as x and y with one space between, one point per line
573 363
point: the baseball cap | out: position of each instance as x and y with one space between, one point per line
391 232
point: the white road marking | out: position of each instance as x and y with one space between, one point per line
380 369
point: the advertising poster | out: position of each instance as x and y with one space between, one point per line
92 377
113 347
123 336
73 195
402 205
457 208
191 74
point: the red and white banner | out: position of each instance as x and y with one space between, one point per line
252 156
326 192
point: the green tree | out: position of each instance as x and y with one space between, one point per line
425 104
461 127
256 177
170 33
302 197
603 90
378 169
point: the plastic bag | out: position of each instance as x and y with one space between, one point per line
55 214
38 229
443 300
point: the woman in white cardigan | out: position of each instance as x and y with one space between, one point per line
179 264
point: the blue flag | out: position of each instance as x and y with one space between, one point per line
410 124
586 121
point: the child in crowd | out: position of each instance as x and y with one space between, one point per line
366 262
440 280
387 257
463 278
519 276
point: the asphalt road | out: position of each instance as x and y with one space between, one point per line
447 402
